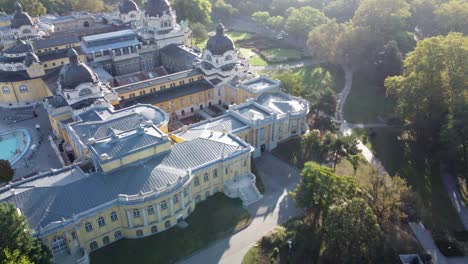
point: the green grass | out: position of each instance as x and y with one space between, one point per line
367 103
237 35
253 58
281 55
212 220
399 157
251 256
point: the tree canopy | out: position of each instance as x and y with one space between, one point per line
194 11
6 171
15 239
351 233
320 187
302 20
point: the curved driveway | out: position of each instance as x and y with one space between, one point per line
275 208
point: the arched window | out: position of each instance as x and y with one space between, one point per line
139 233
86 24
105 240
23 89
162 24
6 90
114 216
215 173
101 221
85 91
93 245
88 227
207 194
167 224
206 177
154 229
209 58
196 181
118 235
228 58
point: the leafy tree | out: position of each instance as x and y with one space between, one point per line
355 161
389 62
453 17
6 171
342 10
302 20
291 83
223 11
434 77
342 148
314 146
14 257
351 233
199 32
384 17
324 109
275 22
320 187
16 240
422 17
87 5
194 11
385 195
261 17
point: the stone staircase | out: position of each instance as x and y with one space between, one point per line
250 195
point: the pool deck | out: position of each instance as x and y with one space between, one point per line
43 158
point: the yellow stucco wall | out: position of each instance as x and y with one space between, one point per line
37 90
83 239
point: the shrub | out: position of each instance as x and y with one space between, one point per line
273 239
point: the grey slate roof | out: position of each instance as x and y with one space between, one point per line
68 192
222 123
99 124
282 103
55 41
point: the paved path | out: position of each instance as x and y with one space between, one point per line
455 197
425 240
275 208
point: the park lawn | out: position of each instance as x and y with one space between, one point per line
237 35
367 103
253 58
388 146
212 220
281 55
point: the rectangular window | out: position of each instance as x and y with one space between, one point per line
136 213
262 134
150 210
182 102
175 199
196 181
163 205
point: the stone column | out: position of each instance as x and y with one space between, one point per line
129 218
145 220
129 50
172 205
190 192
121 52
182 200
158 211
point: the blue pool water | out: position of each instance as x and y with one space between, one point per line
13 145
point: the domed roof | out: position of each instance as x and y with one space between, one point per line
20 18
220 43
126 6
76 72
20 46
157 7
30 59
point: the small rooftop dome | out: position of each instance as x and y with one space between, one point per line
76 72
220 43
30 59
126 6
20 18
156 8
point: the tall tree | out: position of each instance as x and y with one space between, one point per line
223 11
14 257
388 62
385 17
453 17
342 148
194 11
15 237
302 20
342 10
320 187
6 171
386 195
261 17
199 33
434 77
351 233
